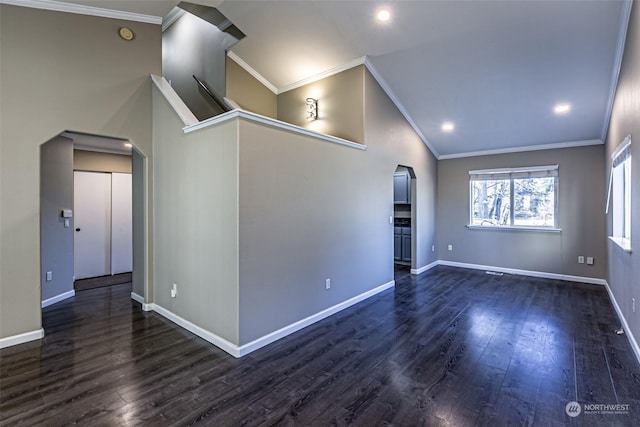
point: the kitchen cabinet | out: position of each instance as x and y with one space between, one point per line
402 244
397 247
406 247
401 188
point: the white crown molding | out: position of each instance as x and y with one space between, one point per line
58 298
175 14
253 72
625 325
323 75
387 89
257 118
84 10
569 144
21 338
625 16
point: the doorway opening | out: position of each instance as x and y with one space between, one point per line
92 206
404 196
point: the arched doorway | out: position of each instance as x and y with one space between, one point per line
117 163
404 198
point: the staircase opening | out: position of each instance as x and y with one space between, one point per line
195 40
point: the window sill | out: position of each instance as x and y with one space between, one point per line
625 244
498 228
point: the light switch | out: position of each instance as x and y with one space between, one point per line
66 223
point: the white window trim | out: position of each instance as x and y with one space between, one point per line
536 172
620 155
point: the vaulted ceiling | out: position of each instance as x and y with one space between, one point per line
495 69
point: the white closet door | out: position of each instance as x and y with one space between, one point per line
121 220
92 223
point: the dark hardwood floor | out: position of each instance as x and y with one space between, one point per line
450 347
101 281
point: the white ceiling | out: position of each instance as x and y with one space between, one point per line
494 68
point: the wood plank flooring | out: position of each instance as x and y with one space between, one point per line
101 281
451 347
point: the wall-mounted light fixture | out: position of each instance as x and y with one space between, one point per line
312 109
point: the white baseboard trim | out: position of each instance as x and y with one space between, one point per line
21 338
214 339
424 268
58 298
566 277
625 325
294 327
239 351
140 299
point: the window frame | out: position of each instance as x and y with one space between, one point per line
621 170
513 174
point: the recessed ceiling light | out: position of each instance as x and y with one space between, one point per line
128 144
447 127
562 108
383 15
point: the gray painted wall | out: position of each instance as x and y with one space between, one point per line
312 210
196 221
46 57
391 141
581 210
624 268
251 220
193 46
56 193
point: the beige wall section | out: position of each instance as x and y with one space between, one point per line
248 92
101 162
59 71
196 221
340 105
624 267
581 208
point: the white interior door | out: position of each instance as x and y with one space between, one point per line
92 222
121 221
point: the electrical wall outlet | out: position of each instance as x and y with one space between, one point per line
49 276
589 260
174 290
580 259
327 284
450 247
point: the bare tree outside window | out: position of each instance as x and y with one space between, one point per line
520 197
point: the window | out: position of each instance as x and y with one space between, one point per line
515 198
619 197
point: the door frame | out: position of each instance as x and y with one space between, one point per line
414 199
139 172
